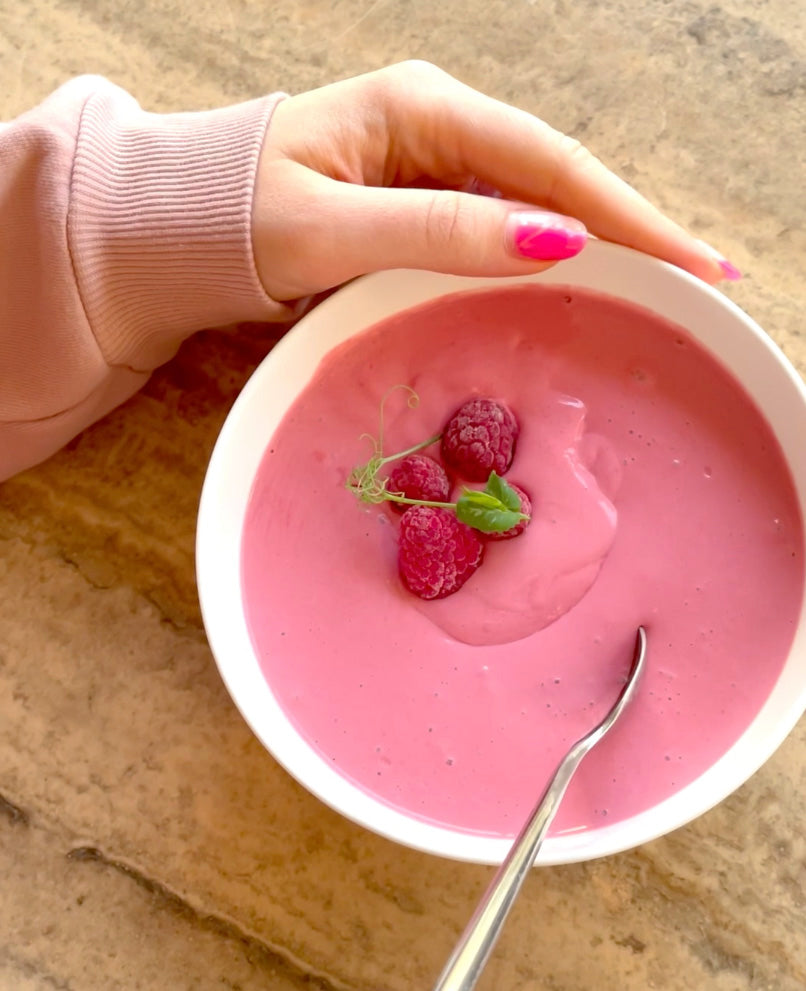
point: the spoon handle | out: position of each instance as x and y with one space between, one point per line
477 941
481 933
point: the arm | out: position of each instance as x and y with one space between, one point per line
121 233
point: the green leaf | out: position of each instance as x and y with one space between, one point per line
482 499
485 512
503 492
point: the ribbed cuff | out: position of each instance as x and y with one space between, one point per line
159 224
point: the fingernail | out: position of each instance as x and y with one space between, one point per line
479 188
545 236
730 271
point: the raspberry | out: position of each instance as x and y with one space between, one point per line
419 477
436 553
480 438
526 509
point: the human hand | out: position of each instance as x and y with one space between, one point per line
374 172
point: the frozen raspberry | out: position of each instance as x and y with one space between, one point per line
436 553
480 438
419 477
526 509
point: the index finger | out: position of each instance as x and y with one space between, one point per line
528 160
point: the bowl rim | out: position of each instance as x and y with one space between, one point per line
713 319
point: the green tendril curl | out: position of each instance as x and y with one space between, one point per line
495 509
363 481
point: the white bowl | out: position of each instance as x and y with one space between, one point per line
710 317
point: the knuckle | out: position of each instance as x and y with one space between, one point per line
572 160
572 151
408 90
414 75
420 68
444 219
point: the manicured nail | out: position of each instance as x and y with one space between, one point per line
479 188
731 272
545 236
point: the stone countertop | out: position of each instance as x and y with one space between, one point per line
147 841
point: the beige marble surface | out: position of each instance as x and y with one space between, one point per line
147 841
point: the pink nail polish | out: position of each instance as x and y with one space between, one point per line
730 271
545 236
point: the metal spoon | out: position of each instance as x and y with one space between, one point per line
477 941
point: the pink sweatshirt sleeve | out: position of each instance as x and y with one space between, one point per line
121 233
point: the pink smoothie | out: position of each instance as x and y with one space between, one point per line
660 497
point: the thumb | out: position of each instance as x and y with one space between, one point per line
342 230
